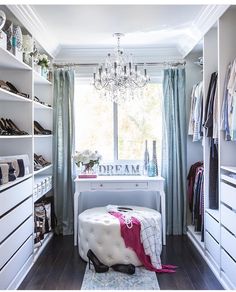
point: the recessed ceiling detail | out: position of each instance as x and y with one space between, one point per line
63 29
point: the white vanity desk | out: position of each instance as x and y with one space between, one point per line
121 183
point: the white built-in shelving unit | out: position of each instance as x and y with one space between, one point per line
17 198
218 249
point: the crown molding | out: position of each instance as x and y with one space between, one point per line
35 26
96 55
204 21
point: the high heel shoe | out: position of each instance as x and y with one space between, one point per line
41 160
39 130
127 269
13 126
98 266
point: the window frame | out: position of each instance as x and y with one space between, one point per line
87 80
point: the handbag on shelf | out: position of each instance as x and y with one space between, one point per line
41 221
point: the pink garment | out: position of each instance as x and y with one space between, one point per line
132 240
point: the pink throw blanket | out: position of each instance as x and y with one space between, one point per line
132 240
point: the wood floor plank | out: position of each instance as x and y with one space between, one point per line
60 267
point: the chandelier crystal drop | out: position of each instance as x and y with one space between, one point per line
119 79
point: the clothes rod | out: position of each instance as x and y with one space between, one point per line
173 63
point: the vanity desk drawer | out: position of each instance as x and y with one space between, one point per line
119 186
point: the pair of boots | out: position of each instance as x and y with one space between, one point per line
101 268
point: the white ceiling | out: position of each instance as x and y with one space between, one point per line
68 28
93 25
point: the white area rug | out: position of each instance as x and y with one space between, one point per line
112 280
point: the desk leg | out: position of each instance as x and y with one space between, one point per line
163 215
76 209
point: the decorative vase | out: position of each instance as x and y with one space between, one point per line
151 169
154 156
146 160
44 72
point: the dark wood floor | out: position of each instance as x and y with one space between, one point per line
59 267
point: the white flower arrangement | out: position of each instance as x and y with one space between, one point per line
87 158
43 60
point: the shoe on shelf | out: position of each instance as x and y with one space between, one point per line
3 130
4 86
42 102
98 266
40 160
11 128
37 166
127 269
39 130
14 90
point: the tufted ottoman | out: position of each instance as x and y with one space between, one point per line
100 231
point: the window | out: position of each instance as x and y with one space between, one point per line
118 132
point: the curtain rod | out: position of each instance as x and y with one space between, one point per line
171 63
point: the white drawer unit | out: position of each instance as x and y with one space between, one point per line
228 218
14 195
13 267
119 186
212 226
14 242
212 247
228 242
12 220
228 195
228 265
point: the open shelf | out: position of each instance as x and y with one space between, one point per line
15 136
38 105
229 168
9 96
229 179
8 60
42 169
12 183
196 236
41 247
38 79
42 136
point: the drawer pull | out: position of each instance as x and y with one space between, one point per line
137 185
101 185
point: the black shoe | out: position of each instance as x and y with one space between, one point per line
39 130
98 266
127 269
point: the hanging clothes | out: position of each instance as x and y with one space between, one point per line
228 110
213 176
211 114
210 124
196 195
226 105
196 109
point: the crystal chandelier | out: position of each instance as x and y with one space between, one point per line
119 79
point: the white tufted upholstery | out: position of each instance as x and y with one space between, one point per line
100 232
